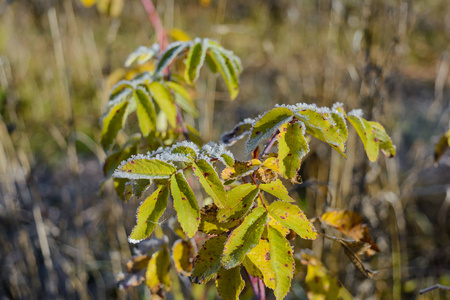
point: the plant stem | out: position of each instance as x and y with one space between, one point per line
156 22
270 144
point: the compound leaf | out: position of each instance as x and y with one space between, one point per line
208 260
185 204
112 123
267 125
277 189
145 111
282 262
239 202
162 96
144 168
244 238
149 213
229 283
292 217
208 178
292 147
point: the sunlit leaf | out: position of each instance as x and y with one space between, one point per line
239 202
292 147
208 178
186 151
145 111
277 189
144 168
227 70
229 283
185 204
367 135
165 101
292 217
194 61
157 275
149 213
168 57
240 169
183 254
112 123
265 127
208 260
384 140
210 224
244 238
282 262
260 259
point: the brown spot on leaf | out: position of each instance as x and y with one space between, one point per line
267 256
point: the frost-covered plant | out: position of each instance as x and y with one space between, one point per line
243 229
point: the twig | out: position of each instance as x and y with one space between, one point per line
156 22
270 144
433 287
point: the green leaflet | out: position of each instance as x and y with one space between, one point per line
208 261
292 217
183 253
173 50
339 119
163 97
320 126
145 168
384 140
112 123
157 275
188 151
229 161
185 204
194 61
115 158
244 238
182 98
292 147
210 224
267 125
282 262
277 189
227 70
145 111
259 258
367 135
149 213
229 283
208 178
239 202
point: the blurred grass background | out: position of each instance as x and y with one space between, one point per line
60 240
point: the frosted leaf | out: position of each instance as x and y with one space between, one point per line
213 150
172 51
357 113
155 173
141 55
239 131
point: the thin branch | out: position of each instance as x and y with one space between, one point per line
270 144
156 22
436 286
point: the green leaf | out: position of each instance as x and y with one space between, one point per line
239 202
149 213
172 51
229 161
265 127
208 260
277 189
183 254
229 283
187 151
259 258
367 135
182 98
115 158
112 123
339 119
226 69
383 138
210 224
144 168
194 61
145 111
321 126
208 178
165 101
292 147
244 238
185 204
292 217
157 275
282 262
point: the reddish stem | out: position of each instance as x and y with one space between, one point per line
270 144
156 22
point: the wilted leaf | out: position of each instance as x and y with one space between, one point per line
157 275
183 254
239 202
244 238
277 189
135 273
208 260
112 123
292 147
265 127
259 258
194 61
282 262
292 217
356 261
149 213
209 223
367 135
165 101
144 168
265 175
208 178
229 283
240 169
185 204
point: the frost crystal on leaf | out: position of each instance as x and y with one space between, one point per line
142 54
213 150
357 113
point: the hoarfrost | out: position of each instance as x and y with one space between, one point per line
357 113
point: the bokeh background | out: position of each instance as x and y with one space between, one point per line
61 238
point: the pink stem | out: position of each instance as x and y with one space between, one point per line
156 22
